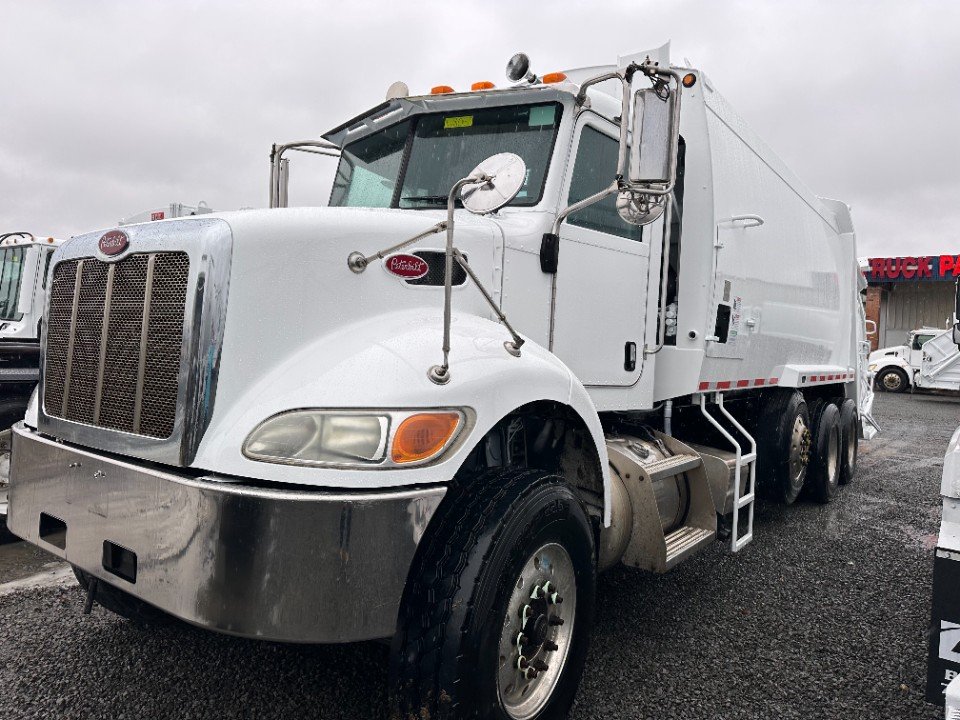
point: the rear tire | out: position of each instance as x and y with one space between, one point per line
850 439
783 445
123 604
476 583
893 380
825 458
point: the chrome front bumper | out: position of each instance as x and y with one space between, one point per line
285 565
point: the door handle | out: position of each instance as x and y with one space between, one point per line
746 220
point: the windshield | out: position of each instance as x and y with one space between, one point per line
11 266
413 164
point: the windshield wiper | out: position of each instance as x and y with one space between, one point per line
430 199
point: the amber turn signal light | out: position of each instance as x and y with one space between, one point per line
441 90
553 77
422 436
483 85
689 80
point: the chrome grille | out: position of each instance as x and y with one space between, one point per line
114 342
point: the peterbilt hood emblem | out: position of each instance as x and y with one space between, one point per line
114 242
409 267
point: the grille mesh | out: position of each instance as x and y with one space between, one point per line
74 372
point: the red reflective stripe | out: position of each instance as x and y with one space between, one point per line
743 383
704 386
822 378
773 381
723 385
759 381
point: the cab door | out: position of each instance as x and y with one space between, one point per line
602 274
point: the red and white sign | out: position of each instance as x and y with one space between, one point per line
158 215
409 267
114 242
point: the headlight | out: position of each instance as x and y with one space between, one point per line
353 439
873 367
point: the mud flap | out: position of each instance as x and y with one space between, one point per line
943 658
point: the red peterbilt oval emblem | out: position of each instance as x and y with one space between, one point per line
409 267
114 242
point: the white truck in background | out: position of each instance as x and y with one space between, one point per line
930 360
540 330
167 212
24 260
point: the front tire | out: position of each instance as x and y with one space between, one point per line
893 380
496 618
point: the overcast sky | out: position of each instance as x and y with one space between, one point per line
112 108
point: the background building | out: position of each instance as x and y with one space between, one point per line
905 293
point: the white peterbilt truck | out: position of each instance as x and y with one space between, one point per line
539 331
930 360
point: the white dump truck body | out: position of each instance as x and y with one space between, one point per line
506 303
24 260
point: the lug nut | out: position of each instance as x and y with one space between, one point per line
556 599
522 663
522 639
555 621
531 673
547 587
550 646
540 665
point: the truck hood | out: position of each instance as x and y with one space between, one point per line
900 351
290 284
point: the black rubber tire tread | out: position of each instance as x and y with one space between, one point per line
825 419
432 664
904 380
775 427
849 430
124 604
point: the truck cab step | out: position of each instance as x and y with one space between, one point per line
684 541
672 465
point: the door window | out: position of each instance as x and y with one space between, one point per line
593 170
11 265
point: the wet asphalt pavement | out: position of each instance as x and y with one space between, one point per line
823 616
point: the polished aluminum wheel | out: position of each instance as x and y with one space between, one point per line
537 631
799 450
892 382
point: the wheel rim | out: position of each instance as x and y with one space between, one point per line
833 454
799 450
537 631
892 381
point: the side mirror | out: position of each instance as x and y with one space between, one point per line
650 151
650 157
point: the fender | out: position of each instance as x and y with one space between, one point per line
894 361
382 362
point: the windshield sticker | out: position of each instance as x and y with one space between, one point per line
461 121
542 115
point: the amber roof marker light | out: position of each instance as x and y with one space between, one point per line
483 85
689 80
553 77
441 90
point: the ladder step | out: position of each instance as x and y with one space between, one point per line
684 541
745 500
748 458
673 465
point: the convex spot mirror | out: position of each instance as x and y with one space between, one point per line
507 173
